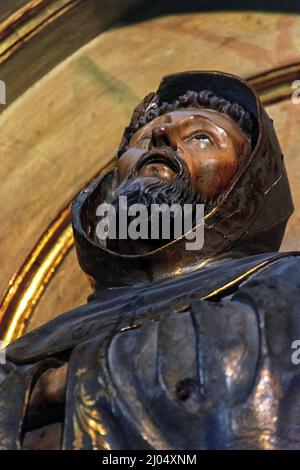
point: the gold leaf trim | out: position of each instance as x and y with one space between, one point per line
28 21
87 419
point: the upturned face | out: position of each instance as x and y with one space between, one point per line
209 143
186 157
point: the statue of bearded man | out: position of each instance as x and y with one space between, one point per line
177 348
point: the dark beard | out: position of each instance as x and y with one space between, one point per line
149 191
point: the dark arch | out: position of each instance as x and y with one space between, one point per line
146 9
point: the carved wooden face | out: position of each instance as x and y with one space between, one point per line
210 143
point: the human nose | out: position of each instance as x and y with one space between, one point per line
160 137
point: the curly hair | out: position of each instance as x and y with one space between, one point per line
192 99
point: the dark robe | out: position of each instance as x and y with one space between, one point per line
159 368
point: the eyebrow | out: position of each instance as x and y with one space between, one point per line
168 119
188 120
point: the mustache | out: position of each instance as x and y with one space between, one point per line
167 156
155 190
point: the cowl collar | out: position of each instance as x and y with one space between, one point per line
249 218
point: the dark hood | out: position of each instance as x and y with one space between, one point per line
249 218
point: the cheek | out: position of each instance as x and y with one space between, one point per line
189 156
214 171
127 161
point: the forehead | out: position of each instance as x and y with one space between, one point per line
193 117
180 115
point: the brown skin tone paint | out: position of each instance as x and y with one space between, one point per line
211 144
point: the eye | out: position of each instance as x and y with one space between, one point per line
144 138
203 138
142 142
